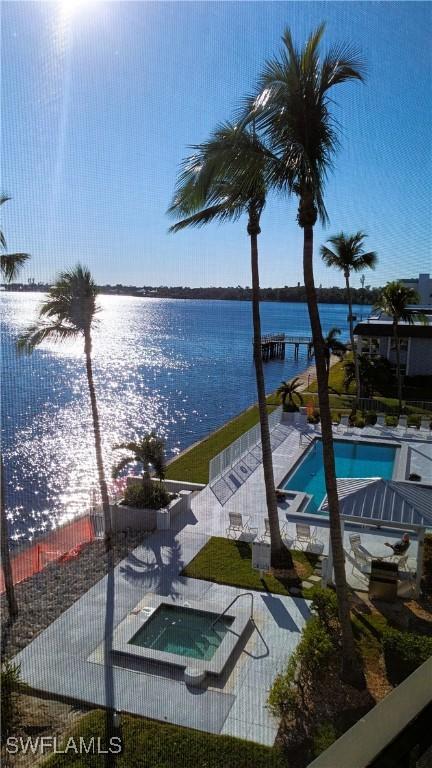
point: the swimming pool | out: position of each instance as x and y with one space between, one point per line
353 459
183 631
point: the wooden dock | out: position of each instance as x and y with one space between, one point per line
273 345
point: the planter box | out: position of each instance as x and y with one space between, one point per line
123 517
173 486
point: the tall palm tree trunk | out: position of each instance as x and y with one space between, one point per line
275 538
97 439
398 370
5 554
350 668
351 332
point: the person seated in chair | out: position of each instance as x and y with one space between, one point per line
400 547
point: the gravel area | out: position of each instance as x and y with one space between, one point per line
43 597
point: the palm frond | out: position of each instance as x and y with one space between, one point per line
117 468
131 446
11 263
223 178
39 332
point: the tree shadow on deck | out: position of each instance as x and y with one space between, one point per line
159 567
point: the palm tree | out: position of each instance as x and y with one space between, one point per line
394 301
10 265
69 312
289 390
349 256
333 346
291 106
223 180
10 262
149 451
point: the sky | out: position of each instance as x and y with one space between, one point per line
101 100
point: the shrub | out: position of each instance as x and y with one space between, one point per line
315 646
359 421
324 604
391 421
10 682
427 565
283 696
150 496
306 665
414 420
370 418
404 652
323 738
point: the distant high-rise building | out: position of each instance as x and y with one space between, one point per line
423 285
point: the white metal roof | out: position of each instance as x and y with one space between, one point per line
375 499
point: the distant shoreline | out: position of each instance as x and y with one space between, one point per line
285 295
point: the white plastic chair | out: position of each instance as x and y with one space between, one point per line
381 422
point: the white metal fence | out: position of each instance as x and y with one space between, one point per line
226 458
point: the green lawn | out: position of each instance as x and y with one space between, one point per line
336 380
193 465
147 744
227 561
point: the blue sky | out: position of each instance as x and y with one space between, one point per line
99 106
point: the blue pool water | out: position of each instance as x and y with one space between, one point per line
352 460
184 631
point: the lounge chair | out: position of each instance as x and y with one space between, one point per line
425 429
402 425
238 525
362 558
344 424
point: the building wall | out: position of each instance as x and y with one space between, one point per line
420 358
423 286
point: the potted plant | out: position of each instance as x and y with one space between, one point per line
145 494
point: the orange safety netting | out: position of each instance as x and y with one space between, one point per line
62 544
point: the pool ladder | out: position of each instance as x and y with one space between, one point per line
242 594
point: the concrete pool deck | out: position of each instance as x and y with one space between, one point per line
67 660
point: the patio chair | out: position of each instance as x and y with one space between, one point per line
266 534
405 571
362 558
238 525
381 421
305 534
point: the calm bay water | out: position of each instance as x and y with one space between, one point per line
182 368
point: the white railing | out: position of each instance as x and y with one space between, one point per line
226 458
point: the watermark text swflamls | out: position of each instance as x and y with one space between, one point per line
42 745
